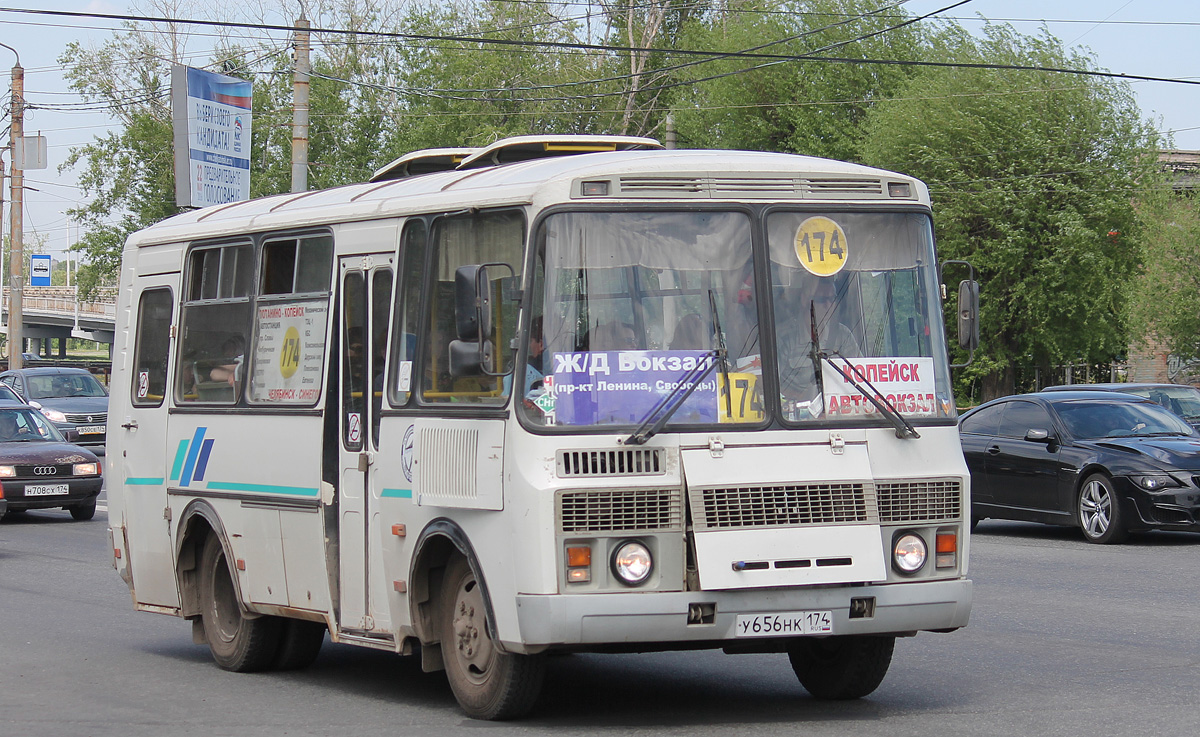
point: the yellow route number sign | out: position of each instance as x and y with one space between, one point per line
821 246
289 353
744 399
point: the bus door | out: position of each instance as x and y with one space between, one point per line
366 291
139 425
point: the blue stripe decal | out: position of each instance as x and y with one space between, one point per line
137 481
263 488
397 493
179 456
197 440
202 463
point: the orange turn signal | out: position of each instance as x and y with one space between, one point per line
947 542
578 557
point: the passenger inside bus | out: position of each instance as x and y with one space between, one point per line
691 334
233 351
825 300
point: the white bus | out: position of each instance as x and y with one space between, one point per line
561 394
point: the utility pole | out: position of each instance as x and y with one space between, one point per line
300 82
16 318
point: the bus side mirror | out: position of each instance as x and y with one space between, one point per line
968 314
471 358
468 314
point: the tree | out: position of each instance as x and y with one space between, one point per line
813 108
1029 172
1165 298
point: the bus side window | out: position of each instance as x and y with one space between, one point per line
216 322
150 352
408 311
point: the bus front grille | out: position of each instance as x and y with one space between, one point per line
619 510
896 501
781 506
919 501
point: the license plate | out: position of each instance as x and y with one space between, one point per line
91 429
47 489
784 624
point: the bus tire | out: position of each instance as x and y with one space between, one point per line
299 644
841 668
488 683
238 643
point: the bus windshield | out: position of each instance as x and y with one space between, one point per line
633 308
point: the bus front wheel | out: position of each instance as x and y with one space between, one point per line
238 643
839 668
488 683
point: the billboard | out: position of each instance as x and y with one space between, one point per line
211 115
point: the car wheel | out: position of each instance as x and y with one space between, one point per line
841 668
1099 511
488 683
83 512
238 642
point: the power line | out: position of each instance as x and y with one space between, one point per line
599 47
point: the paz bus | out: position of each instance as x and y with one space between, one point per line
557 394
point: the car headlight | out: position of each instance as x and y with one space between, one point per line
8 472
1154 481
909 552
85 469
631 563
53 415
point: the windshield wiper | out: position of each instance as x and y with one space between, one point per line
668 405
853 376
722 353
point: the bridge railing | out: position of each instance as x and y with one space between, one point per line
65 300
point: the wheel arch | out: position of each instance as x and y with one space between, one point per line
438 542
198 521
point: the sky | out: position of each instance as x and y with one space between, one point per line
1143 37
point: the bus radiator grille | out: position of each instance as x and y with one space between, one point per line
782 506
919 501
619 510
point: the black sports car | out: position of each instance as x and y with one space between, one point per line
1182 399
39 469
1109 463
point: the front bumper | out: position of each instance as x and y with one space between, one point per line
648 618
80 490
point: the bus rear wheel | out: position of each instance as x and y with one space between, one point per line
238 642
841 668
488 683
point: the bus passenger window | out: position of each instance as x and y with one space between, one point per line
153 342
215 324
290 321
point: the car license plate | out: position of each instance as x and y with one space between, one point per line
785 623
47 489
91 429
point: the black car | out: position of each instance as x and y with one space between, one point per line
71 398
1110 463
1182 399
40 470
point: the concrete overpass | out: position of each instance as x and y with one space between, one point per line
56 313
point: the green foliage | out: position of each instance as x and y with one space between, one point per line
813 108
1165 298
1032 176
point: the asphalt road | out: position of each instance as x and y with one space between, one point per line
1066 638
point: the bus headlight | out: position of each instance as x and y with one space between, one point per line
631 563
909 552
